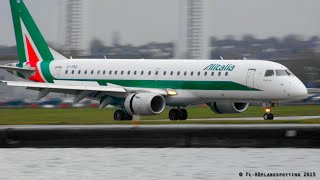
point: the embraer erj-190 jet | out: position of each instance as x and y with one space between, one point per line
146 87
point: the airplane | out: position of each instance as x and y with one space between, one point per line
146 87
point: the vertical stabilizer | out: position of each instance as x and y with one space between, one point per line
31 45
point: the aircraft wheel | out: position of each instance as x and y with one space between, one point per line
183 114
268 116
118 115
121 115
128 117
174 114
271 116
265 116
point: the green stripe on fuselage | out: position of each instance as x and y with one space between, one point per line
176 84
45 69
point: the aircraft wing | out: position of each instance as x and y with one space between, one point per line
313 90
83 90
65 86
163 92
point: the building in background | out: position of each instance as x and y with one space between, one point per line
191 42
75 27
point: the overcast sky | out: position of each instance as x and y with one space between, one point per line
142 21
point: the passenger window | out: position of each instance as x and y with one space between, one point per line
98 72
149 73
212 73
178 73
219 74
191 73
72 72
226 74
104 72
110 72
122 72
185 73
66 71
164 73
142 72
85 72
128 72
156 72
79 72
199 73
171 73
116 72
269 73
135 72
92 72
206 73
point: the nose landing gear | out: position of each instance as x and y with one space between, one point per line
268 115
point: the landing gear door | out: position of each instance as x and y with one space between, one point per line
250 77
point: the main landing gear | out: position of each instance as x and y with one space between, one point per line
120 115
268 115
178 114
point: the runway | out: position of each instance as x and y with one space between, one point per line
161 126
243 118
160 136
261 118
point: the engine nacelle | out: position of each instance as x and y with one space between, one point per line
144 104
228 108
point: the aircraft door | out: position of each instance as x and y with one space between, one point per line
57 71
250 77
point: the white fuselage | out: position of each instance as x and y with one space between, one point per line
196 81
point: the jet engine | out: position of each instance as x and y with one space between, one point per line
228 108
145 104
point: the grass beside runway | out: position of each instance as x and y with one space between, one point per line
105 116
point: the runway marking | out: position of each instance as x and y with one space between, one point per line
160 126
250 118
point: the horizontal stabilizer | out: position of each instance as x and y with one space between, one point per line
18 69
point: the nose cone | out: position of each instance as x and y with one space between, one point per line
300 90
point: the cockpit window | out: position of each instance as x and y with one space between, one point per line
289 72
282 73
269 73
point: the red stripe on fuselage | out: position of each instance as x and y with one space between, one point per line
33 60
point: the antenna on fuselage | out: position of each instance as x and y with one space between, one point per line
221 58
70 57
105 57
244 58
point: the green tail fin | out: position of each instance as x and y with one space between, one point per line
31 45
